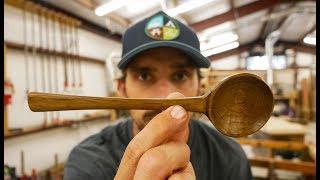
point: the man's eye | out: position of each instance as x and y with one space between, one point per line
180 76
144 76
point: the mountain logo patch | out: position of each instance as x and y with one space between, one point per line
162 27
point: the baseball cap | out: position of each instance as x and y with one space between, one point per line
161 30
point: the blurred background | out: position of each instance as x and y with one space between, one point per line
73 47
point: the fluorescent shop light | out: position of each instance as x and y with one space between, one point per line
140 6
109 7
215 30
187 7
219 40
310 40
116 4
220 49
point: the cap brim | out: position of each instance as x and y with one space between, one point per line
198 59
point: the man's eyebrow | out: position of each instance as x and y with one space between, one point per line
182 65
138 69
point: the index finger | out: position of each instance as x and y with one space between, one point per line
185 174
158 130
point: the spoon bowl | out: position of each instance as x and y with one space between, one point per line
240 105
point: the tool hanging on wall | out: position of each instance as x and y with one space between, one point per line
55 172
73 60
26 53
69 52
23 173
34 59
71 63
72 47
34 174
63 42
63 49
43 83
64 59
76 55
48 57
56 160
78 59
55 63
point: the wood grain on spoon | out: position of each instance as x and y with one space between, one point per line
39 102
238 106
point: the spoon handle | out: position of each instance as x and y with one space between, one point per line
39 102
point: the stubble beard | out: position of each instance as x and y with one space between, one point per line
146 118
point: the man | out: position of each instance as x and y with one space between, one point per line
160 59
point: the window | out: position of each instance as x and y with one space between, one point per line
261 62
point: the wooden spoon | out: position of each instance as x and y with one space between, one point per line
238 106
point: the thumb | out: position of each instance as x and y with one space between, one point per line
183 134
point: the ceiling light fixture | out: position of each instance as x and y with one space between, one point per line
109 7
310 40
218 40
187 7
220 49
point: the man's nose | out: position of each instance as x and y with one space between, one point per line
165 87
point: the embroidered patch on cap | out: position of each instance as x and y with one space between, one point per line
162 27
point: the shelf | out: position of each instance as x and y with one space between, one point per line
304 167
276 97
64 124
19 46
273 144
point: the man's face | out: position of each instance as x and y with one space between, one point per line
155 74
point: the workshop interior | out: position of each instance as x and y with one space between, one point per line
73 48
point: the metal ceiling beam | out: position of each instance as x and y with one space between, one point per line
85 24
236 18
308 32
283 20
90 4
119 19
242 11
247 47
87 4
235 12
300 47
264 26
232 52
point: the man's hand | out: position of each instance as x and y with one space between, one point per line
160 150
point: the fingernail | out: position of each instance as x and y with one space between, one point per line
177 112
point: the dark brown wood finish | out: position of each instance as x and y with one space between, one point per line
238 106
39 102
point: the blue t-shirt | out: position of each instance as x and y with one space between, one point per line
213 155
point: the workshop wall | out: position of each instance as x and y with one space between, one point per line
19 113
228 63
286 77
91 44
282 76
39 148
